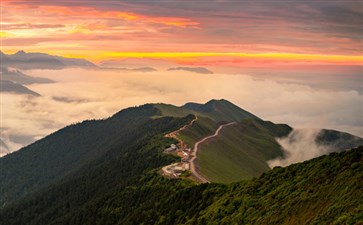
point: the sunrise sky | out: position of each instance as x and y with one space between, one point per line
288 61
214 32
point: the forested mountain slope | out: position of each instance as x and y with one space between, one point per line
75 147
108 172
68 150
325 190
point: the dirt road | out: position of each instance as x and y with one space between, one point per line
175 136
193 167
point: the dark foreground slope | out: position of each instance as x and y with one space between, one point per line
77 147
325 190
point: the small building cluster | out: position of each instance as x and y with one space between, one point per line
183 153
172 148
175 170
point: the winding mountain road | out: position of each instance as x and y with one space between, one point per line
193 167
175 136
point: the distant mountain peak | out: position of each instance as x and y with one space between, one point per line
217 102
225 110
200 70
34 60
218 110
12 87
20 52
214 101
192 105
16 76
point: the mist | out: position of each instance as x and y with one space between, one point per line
80 94
298 146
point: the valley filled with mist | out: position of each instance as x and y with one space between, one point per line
79 94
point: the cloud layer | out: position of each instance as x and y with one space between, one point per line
299 146
80 94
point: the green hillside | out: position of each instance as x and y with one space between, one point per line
217 110
107 172
221 110
337 140
241 151
325 190
200 128
171 110
75 147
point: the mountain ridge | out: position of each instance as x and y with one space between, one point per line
15 88
19 77
76 147
218 110
200 70
34 60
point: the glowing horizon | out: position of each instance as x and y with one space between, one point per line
238 35
181 56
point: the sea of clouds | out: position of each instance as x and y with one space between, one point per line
81 94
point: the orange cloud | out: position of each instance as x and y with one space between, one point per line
82 12
239 37
238 57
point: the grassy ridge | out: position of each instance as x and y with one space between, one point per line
217 110
171 110
200 128
221 110
239 152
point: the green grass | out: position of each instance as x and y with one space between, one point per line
239 152
171 110
201 128
217 110
175 111
222 110
324 190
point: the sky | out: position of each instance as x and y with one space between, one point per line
288 61
201 32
